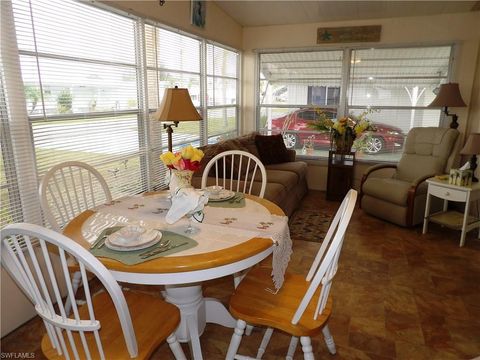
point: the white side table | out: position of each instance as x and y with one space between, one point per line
452 219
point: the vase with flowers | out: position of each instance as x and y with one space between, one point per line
182 165
343 131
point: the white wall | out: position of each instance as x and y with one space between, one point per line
218 25
462 29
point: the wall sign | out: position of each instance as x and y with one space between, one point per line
348 34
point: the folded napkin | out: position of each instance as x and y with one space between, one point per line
185 201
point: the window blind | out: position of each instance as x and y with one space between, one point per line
80 76
395 85
222 92
174 59
80 82
399 83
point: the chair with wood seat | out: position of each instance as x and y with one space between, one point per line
237 170
68 189
302 307
111 325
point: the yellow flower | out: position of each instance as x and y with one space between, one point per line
187 152
197 155
167 158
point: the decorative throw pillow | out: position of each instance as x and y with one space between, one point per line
272 149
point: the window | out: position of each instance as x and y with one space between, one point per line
396 84
291 83
399 84
89 80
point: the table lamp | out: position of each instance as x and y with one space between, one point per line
176 106
472 147
449 95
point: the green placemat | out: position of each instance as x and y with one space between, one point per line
238 201
136 256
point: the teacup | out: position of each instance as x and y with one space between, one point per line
215 189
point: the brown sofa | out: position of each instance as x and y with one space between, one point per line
286 181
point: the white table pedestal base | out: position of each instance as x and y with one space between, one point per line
196 311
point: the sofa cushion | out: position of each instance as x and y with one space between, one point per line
298 167
286 178
390 189
272 149
248 143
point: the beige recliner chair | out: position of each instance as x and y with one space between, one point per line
400 198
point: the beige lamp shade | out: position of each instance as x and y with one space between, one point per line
177 106
449 95
472 146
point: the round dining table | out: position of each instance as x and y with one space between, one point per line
182 275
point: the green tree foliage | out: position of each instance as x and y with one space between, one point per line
64 102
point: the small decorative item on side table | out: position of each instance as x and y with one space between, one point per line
341 158
440 187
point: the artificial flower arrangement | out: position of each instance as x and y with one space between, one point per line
345 130
188 158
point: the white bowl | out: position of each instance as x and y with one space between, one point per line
130 232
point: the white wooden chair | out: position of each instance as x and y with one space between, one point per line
292 309
111 325
238 171
68 189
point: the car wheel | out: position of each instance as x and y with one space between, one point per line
290 140
374 145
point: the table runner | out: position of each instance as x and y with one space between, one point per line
253 220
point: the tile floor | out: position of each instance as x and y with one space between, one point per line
398 294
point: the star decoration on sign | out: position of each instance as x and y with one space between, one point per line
326 35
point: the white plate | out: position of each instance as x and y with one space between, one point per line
132 236
223 195
140 246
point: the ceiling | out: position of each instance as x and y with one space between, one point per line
262 13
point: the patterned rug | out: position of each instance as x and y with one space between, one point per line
309 225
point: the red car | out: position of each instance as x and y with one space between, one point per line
296 130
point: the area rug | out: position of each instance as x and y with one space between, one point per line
309 225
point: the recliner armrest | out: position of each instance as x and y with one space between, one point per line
370 170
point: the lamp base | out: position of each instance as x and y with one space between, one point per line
169 134
454 123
